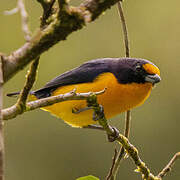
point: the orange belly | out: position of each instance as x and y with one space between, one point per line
116 99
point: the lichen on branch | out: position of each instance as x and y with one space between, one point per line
65 20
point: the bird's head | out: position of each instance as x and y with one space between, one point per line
133 70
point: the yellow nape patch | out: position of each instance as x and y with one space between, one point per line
151 69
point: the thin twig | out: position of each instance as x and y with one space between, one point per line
24 18
127 52
128 113
13 111
110 174
1 125
125 31
169 166
11 12
47 11
115 165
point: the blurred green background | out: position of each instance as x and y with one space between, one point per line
42 147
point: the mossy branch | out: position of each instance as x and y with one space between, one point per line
62 24
129 148
30 79
13 111
47 6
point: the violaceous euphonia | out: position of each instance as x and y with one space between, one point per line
128 83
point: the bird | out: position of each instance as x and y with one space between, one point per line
128 83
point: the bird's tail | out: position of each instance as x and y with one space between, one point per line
31 97
14 94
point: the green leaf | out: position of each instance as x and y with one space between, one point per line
90 177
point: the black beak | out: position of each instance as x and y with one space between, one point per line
155 78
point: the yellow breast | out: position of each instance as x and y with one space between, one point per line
116 99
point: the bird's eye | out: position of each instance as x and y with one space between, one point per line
138 68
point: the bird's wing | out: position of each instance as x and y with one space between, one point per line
87 72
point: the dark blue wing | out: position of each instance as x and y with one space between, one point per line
87 72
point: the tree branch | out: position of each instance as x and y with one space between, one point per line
1 125
91 98
129 148
13 111
47 11
169 166
71 19
30 79
31 75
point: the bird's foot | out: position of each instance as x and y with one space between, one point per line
114 136
100 114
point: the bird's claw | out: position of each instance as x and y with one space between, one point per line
100 114
114 136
